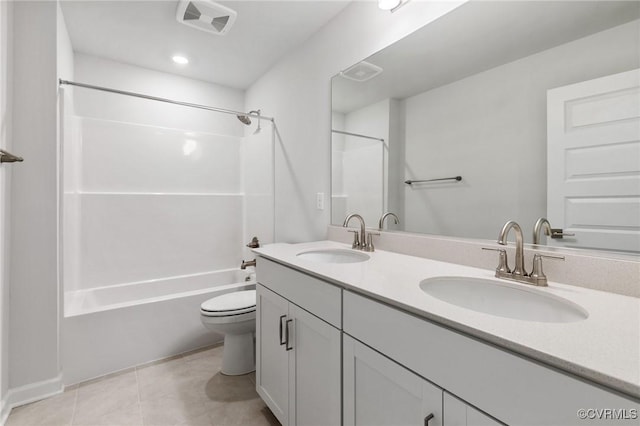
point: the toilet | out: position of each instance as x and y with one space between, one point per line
234 315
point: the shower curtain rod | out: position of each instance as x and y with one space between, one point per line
357 135
169 101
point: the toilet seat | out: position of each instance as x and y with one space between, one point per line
230 304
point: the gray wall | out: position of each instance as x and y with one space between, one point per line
491 129
33 337
297 92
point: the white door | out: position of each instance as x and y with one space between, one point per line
377 391
593 162
314 370
272 359
4 198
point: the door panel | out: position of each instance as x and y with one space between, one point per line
316 362
271 358
377 391
593 162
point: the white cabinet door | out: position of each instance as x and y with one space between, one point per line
297 362
377 391
315 370
272 360
459 413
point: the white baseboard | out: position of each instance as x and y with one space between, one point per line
29 393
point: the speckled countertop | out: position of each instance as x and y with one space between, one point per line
604 348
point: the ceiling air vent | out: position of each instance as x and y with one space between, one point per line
362 71
206 16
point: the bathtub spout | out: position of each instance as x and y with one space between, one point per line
249 263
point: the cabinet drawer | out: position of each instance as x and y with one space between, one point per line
507 386
316 296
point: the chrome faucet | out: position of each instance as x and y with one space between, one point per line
384 216
519 274
502 240
358 242
541 224
245 264
555 233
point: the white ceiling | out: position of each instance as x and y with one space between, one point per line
477 36
147 34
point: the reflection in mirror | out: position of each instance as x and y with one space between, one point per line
358 163
535 104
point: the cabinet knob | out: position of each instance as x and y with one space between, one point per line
426 419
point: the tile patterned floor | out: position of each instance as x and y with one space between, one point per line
184 390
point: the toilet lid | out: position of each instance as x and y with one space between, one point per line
238 302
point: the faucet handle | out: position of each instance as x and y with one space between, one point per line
369 246
503 263
558 233
254 243
356 240
537 275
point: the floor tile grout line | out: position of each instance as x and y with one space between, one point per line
75 406
138 394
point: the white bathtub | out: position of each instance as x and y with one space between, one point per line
107 329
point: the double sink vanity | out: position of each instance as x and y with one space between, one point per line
362 338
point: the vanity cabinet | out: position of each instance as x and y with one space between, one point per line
459 413
298 346
506 386
378 391
330 356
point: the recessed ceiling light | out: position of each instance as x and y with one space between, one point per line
180 60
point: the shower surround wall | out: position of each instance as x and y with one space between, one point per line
154 197
158 187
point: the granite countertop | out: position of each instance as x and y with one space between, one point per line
604 348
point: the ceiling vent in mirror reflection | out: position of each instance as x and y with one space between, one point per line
362 71
206 15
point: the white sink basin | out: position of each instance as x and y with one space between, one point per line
502 299
333 256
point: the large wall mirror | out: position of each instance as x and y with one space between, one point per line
534 105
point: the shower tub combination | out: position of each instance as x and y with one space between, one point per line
111 328
154 217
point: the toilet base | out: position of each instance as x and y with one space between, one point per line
238 354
